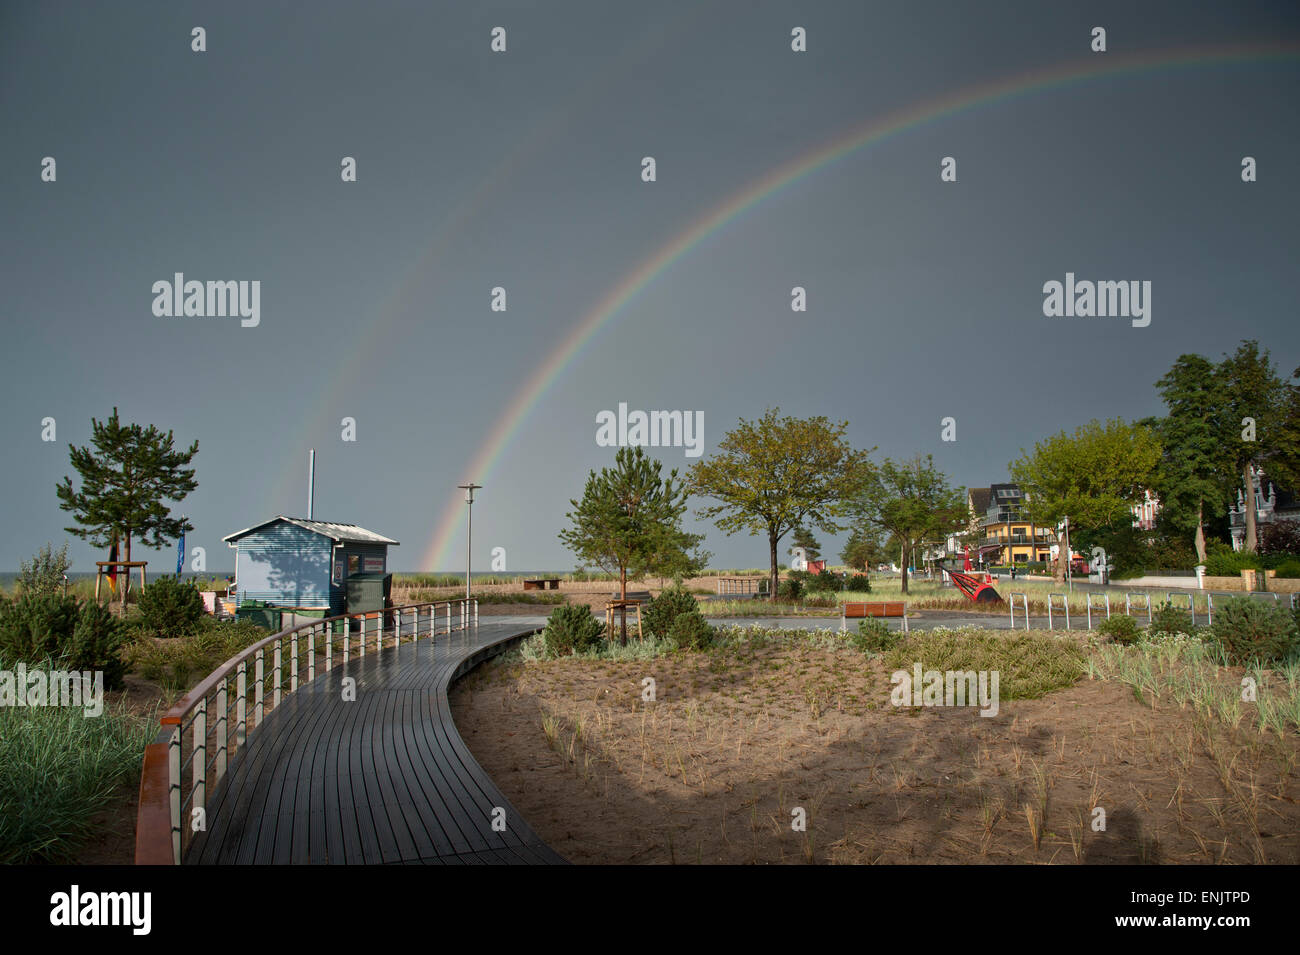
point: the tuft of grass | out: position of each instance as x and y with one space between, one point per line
58 768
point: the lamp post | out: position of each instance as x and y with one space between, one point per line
469 490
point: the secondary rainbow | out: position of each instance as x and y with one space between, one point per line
483 465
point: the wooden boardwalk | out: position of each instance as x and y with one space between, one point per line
382 779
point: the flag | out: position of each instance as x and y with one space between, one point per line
180 552
112 567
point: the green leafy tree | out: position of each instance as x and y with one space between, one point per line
864 548
804 538
125 480
43 574
778 473
1194 475
912 501
629 520
1252 392
1091 476
1284 459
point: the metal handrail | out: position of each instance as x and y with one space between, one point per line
201 720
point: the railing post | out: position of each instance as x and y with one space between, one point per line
329 646
223 708
241 704
199 757
293 660
279 648
347 638
311 653
258 689
476 611
362 652
174 790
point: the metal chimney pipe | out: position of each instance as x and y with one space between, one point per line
311 481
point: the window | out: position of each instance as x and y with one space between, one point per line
354 563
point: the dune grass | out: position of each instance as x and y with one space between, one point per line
58 768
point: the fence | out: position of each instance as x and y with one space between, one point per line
756 586
195 735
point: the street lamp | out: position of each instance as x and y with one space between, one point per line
469 490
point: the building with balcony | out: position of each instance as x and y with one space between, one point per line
1005 536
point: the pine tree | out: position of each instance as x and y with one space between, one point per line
803 537
125 481
629 521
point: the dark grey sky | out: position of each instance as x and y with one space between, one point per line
522 170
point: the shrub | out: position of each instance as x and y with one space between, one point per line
34 627
690 631
171 608
1249 630
96 644
660 614
1121 629
860 583
875 636
79 635
43 574
1170 619
790 589
823 581
1230 563
1289 568
572 629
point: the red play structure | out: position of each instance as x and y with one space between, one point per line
978 588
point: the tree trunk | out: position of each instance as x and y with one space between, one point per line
1200 532
902 561
776 575
622 610
126 578
1251 541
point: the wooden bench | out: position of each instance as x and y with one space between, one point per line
543 583
888 608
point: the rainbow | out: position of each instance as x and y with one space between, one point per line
484 463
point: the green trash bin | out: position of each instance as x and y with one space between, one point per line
260 613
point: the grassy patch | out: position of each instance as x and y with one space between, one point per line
1191 671
58 768
1030 664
